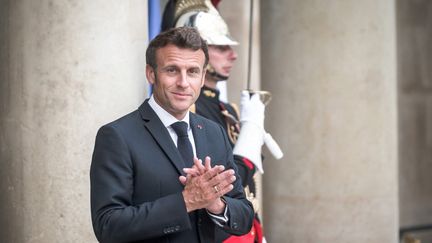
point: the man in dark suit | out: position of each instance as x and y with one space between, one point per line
144 188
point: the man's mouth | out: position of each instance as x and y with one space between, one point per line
181 94
228 69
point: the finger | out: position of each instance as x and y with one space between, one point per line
225 183
182 180
225 177
220 190
207 163
225 190
200 166
189 178
229 181
191 171
213 172
196 161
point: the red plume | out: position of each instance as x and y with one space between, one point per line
215 3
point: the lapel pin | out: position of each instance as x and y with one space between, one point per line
199 126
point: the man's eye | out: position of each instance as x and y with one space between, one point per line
171 70
194 71
223 48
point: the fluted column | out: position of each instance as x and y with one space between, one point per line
66 68
331 66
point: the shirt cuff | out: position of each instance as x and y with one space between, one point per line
220 219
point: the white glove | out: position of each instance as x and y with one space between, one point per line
251 137
252 134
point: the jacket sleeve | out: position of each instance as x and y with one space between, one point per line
241 212
114 215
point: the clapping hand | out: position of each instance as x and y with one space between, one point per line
204 186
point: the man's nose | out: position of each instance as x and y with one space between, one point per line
233 54
183 79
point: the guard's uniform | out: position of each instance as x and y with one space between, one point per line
209 106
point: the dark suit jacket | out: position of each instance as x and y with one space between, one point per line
136 195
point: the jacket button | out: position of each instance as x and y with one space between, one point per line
235 225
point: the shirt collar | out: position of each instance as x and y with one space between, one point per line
166 118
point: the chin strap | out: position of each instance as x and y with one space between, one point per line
212 72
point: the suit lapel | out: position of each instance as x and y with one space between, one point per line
160 134
199 134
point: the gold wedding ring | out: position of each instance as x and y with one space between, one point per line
216 188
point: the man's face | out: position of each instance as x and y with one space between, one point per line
222 59
178 79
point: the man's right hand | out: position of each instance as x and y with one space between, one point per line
204 186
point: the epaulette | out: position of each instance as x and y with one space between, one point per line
192 108
209 93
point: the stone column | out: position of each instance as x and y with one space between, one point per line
331 66
414 21
67 67
237 16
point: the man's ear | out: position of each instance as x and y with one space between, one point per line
150 74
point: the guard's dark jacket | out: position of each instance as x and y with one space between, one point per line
210 106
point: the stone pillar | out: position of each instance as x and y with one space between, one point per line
237 16
414 22
331 66
66 68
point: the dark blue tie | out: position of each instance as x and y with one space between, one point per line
183 143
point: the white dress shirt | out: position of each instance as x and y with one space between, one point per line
168 119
